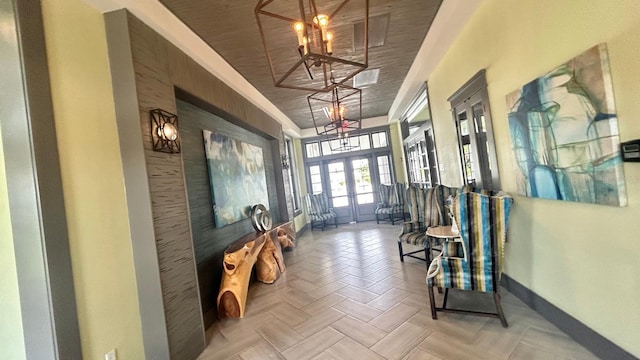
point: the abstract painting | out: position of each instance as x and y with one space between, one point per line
236 176
564 133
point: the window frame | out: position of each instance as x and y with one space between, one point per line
293 176
484 168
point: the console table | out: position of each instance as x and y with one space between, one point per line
264 249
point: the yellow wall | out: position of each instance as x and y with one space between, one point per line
91 166
397 152
301 220
582 258
10 312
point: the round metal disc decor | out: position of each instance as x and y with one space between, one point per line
260 218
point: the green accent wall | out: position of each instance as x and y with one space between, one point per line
582 258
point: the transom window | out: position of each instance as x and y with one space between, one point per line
373 140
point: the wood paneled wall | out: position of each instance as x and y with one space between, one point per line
160 68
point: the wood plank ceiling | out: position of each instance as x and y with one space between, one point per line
230 28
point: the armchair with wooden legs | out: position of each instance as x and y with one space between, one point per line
474 261
391 203
319 211
426 207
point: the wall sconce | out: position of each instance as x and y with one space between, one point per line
285 162
164 131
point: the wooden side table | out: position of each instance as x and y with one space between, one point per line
445 233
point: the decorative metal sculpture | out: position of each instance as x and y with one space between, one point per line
260 218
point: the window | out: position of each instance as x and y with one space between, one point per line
465 144
315 179
472 118
419 144
379 139
422 163
293 179
338 183
360 142
312 149
432 158
384 170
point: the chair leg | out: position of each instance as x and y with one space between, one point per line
446 295
335 221
432 302
393 220
377 219
400 250
496 299
426 256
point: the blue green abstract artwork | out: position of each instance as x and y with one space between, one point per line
564 133
236 177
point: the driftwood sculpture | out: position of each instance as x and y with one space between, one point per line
270 263
264 249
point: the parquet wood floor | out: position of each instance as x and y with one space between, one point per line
346 295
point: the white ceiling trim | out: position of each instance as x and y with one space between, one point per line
161 20
451 18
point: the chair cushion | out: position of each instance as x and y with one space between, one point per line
413 238
389 210
321 217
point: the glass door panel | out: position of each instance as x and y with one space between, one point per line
472 116
433 159
384 169
339 190
338 184
482 145
315 179
362 179
363 189
465 147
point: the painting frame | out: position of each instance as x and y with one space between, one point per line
564 133
237 177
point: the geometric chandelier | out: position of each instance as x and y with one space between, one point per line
314 45
335 114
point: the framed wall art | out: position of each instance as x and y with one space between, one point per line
236 177
564 133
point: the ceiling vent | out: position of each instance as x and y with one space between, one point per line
378 26
366 78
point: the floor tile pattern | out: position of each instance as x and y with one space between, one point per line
346 295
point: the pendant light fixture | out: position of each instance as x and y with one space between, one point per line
310 45
336 114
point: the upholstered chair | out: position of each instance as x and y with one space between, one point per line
319 211
474 261
426 208
391 203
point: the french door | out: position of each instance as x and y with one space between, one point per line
363 189
475 150
351 187
472 116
